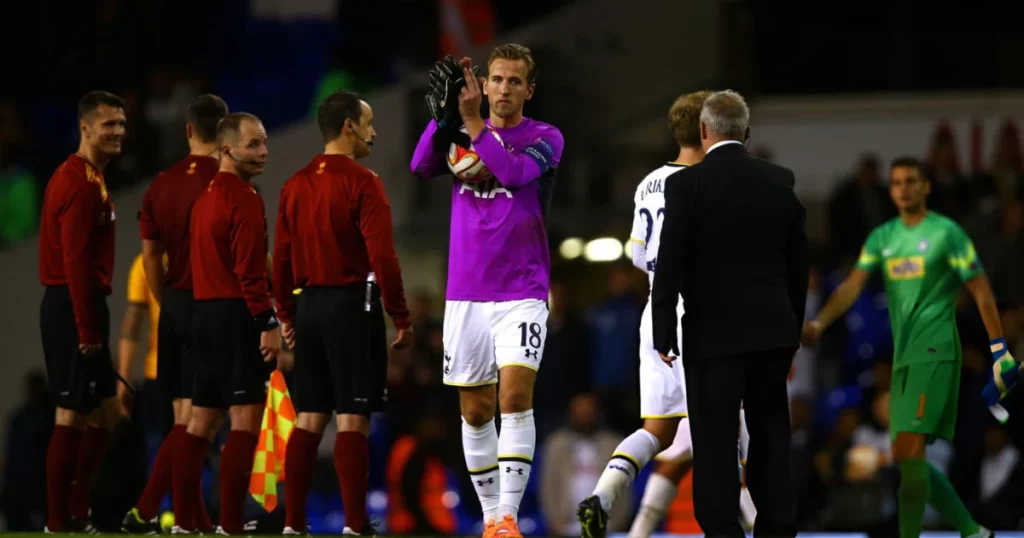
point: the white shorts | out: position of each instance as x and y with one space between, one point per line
662 387
480 338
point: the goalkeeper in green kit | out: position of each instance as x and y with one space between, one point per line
923 257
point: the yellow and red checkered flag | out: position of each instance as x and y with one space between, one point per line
278 423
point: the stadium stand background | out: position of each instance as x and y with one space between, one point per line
834 97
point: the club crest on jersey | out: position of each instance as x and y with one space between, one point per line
92 177
908 268
922 245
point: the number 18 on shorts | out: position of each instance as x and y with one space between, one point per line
482 337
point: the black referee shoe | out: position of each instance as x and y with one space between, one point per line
593 519
134 524
81 526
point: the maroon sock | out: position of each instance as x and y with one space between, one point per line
235 470
299 459
60 470
94 446
352 462
187 477
203 522
159 483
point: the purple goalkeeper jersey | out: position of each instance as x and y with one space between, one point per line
499 244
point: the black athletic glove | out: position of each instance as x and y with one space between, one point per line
446 81
444 138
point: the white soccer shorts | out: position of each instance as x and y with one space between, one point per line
662 387
480 338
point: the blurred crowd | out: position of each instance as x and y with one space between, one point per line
159 54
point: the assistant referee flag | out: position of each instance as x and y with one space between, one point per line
278 423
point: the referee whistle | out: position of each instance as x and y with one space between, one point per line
370 279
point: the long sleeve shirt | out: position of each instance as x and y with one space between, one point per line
229 244
76 240
167 211
333 228
498 240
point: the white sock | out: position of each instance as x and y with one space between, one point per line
480 445
629 457
748 512
658 495
516 444
744 438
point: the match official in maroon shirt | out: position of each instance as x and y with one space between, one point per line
236 334
333 232
76 263
164 223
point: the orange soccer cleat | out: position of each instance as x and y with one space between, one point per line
489 529
508 528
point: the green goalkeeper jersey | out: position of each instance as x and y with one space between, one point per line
923 267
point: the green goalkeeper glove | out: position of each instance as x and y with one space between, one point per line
1005 374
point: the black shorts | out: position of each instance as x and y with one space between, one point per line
341 356
229 368
174 370
79 383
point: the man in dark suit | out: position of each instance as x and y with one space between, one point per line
733 244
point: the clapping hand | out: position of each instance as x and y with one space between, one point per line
472 96
446 81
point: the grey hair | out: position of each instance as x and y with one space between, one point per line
725 113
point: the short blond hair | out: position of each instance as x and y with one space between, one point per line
684 118
513 51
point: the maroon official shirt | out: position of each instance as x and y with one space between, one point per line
333 228
229 244
76 240
167 209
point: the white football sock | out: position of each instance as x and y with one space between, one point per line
744 438
629 457
516 445
480 445
658 495
748 512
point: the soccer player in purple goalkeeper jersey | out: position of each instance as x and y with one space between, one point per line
499 271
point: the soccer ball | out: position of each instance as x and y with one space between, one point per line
167 521
466 164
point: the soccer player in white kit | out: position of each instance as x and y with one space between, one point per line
666 433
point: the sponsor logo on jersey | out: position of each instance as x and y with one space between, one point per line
487 189
922 245
909 268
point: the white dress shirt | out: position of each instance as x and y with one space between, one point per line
722 143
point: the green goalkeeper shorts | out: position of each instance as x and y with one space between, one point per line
924 399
